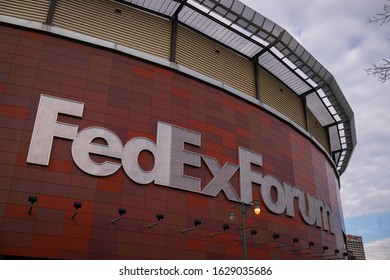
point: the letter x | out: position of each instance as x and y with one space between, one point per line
221 179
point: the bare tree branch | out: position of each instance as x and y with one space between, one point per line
382 70
383 17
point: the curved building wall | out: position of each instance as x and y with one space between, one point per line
134 98
132 28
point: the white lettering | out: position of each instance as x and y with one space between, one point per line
130 163
47 127
247 175
279 205
179 157
221 180
82 146
170 158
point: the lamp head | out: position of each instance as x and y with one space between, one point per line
257 208
197 222
311 243
253 232
325 248
295 240
122 211
275 236
159 217
32 199
225 227
77 205
231 215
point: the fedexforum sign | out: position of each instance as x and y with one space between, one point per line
170 156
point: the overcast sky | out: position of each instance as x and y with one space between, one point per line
338 35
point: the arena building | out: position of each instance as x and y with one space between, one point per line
140 129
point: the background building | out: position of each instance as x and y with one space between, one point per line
355 247
234 93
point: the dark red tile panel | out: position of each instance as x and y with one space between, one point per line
14 239
48 228
74 244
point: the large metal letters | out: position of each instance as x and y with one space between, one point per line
170 157
47 127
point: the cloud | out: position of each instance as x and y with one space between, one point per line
378 249
365 187
338 35
365 184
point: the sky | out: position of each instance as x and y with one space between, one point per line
338 35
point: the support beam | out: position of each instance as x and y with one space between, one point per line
305 108
172 56
174 20
256 70
50 12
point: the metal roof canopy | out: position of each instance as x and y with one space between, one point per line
252 35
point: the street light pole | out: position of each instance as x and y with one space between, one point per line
242 210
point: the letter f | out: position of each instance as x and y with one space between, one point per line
47 127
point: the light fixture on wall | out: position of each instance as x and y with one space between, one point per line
311 244
253 232
158 217
293 240
121 211
331 256
197 223
274 237
343 257
224 228
77 205
32 199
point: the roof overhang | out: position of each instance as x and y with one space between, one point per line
252 35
